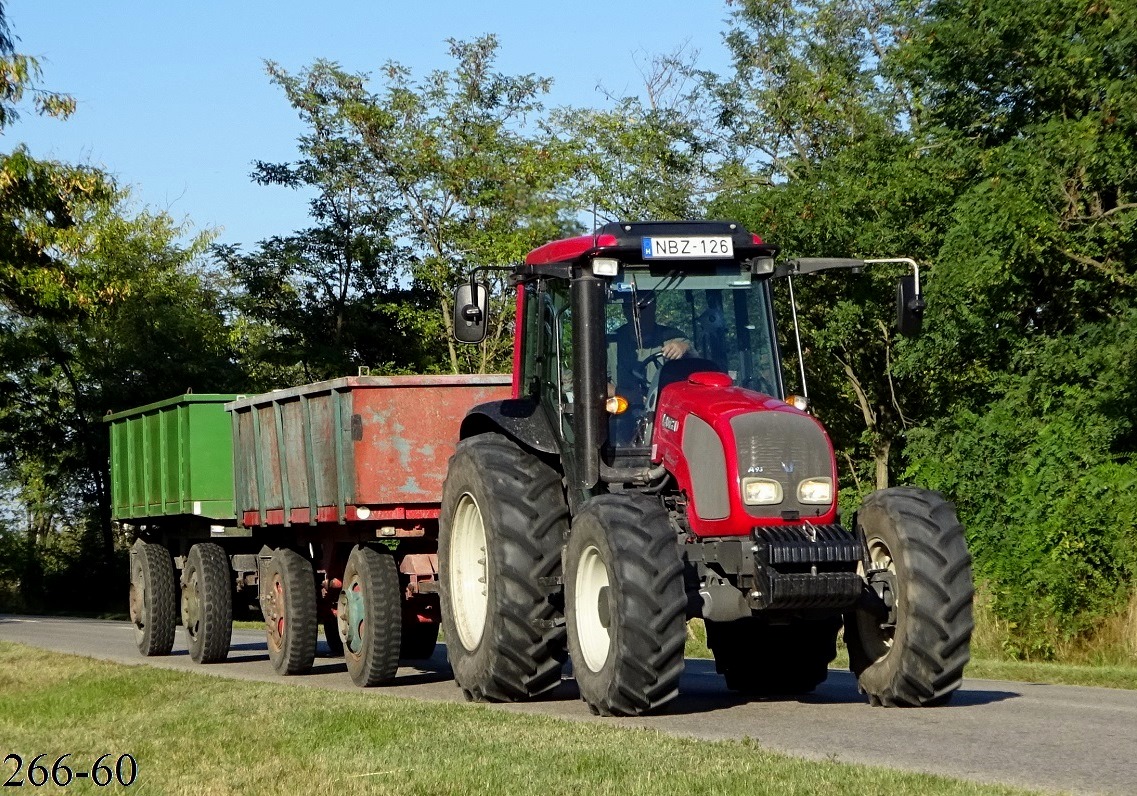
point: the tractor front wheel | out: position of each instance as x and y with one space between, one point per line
909 640
625 605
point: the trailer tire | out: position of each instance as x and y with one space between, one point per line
625 604
914 544
207 603
501 530
288 601
419 641
153 601
370 617
758 659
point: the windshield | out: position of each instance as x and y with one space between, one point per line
662 328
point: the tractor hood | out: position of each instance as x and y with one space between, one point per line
743 459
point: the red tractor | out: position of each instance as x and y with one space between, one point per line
648 469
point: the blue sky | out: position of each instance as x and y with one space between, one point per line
174 101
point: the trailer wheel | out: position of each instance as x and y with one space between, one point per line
909 642
419 640
153 609
501 530
288 601
207 603
758 659
370 617
625 604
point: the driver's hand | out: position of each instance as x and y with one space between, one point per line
675 349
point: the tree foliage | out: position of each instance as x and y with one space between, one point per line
102 307
994 143
320 302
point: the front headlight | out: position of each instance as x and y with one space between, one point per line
761 492
816 491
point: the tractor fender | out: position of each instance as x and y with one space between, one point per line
520 419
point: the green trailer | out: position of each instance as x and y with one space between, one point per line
173 458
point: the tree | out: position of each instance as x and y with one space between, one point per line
156 330
451 169
101 308
322 301
470 180
644 157
1036 392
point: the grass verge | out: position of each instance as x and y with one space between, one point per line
196 734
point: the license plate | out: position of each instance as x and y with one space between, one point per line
680 246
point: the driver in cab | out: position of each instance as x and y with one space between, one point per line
642 346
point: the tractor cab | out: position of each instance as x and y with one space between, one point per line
609 321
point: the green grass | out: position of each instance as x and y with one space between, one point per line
196 734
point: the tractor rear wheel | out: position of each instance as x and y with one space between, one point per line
288 602
370 617
503 523
153 605
207 603
908 646
625 605
759 659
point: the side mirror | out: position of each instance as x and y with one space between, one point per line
471 312
909 307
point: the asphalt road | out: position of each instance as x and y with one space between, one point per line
1047 737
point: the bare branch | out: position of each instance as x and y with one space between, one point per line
1105 269
862 398
888 373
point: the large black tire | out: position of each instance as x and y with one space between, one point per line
153 600
625 604
207 603
370 617
760 659
503 524
288 602
419 640
914 541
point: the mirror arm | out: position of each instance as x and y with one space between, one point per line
919 299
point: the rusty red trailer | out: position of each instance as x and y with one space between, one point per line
360 449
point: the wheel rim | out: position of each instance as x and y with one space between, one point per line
191 605
274 613
469 572
352 615
879 635
592 609
137 601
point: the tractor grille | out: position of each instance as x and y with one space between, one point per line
787 448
